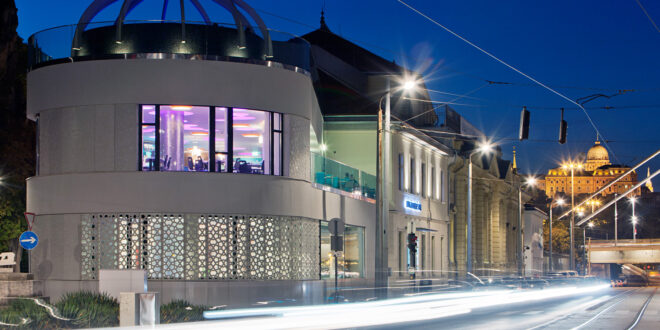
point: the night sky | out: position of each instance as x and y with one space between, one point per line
578 47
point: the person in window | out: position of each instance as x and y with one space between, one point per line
199 164
353 184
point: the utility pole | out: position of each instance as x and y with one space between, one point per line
382 207
572 256
616 222
519 249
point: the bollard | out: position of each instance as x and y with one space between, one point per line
139 308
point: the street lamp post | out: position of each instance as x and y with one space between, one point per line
572 166
484 147
382 206
559 202
530 182
633 199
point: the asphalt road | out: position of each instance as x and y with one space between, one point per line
587 306
618 308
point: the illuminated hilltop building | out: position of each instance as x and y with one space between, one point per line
590 175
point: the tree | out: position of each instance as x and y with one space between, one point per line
17 133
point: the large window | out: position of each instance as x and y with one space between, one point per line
413 187
350 262
198 139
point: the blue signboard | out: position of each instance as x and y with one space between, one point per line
413 205
28 240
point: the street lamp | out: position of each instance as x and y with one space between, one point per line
558 202
633 200
484 147
572 166
383 160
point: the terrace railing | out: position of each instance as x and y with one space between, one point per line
343 178
158 39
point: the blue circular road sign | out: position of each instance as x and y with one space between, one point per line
28 240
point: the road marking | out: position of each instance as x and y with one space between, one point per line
603 311
641 311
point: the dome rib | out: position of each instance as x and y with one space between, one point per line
128 5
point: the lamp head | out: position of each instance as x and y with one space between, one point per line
485 147
591 224
632 199
560 202
531 181
409 85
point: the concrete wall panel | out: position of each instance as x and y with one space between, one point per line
146 81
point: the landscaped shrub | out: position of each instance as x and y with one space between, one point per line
88 309
28 315
181 311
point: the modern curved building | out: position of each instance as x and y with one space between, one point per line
185 149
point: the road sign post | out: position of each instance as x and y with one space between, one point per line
28 240
336 228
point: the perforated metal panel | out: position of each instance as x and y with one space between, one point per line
201 247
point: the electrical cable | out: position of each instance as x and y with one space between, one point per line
648 16
514 69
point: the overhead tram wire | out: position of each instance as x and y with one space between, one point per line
648 16
514 69
445 103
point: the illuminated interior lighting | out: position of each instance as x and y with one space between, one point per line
240 125
181 107
200 133
251 135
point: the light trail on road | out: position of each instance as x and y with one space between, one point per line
382 312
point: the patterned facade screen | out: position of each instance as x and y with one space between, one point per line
202 247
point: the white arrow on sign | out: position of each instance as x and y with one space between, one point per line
31 240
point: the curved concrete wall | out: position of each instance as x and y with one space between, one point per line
187 192
143 81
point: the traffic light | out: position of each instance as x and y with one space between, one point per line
412 247
562 128
524 124
412 242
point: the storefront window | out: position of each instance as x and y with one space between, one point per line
350 262
148 130
221 140
251 131
198 139
184 138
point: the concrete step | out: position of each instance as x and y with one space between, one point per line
21 288
16 276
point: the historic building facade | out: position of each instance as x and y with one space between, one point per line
590 175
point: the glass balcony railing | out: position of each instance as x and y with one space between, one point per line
158 39
333 174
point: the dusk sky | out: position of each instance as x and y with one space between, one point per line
579 48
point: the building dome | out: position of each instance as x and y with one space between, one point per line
598 153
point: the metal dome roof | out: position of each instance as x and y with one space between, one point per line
128 5
241 21
598 152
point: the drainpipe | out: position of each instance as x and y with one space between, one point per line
452 225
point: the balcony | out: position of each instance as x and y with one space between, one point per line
331 175
158 39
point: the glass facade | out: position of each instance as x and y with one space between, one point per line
198 139
350 262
